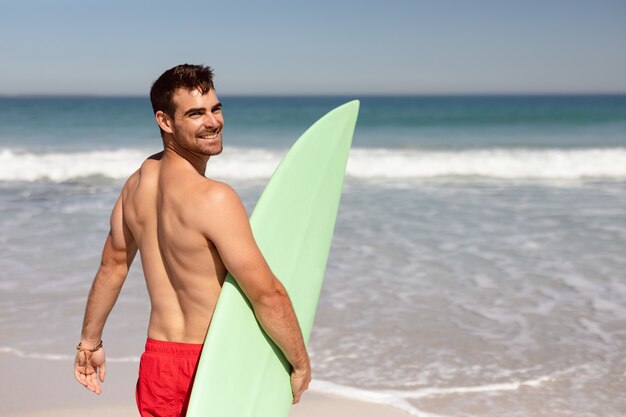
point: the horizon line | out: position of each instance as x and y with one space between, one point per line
328 95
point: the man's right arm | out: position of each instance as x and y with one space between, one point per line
117 256
229 229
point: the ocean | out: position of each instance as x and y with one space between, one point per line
477 267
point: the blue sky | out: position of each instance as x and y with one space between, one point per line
316 47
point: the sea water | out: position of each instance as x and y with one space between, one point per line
478 263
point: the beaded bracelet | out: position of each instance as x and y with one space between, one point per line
92 350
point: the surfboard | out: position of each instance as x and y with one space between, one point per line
241 372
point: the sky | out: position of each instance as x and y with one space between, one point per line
338 47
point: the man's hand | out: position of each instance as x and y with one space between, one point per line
300 379
89 367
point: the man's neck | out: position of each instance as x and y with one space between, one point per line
173 151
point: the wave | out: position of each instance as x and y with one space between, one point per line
365 163
513 163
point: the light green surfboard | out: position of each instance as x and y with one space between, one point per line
241 373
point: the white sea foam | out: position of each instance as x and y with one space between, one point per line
517 163
398 398
505 386
375 397
22 166
252 163
56 357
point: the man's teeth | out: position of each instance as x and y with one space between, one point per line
211 136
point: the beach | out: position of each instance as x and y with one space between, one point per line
477 265
37 387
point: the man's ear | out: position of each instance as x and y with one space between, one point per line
164 121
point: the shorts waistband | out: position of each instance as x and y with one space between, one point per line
173 348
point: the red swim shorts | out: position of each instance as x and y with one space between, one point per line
166 372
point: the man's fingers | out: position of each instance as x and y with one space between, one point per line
299 384
102 372
93 383
89 376
79 376
89 381
298 395
296 398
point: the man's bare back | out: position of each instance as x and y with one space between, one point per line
189 231
160 205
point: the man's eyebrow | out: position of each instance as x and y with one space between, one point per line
216 107
194 110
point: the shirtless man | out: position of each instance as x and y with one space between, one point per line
189 231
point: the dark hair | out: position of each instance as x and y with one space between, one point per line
190 77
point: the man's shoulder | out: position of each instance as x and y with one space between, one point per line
215 206
151 165
214 192
148 170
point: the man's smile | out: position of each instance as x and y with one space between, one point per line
210 135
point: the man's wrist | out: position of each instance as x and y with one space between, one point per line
89 344
303 364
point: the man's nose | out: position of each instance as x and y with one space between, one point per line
210 120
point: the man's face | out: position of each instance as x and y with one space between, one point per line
198 122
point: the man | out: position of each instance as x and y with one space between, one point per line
189 231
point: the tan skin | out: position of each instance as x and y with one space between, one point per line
189 231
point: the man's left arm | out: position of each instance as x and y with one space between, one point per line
117 256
